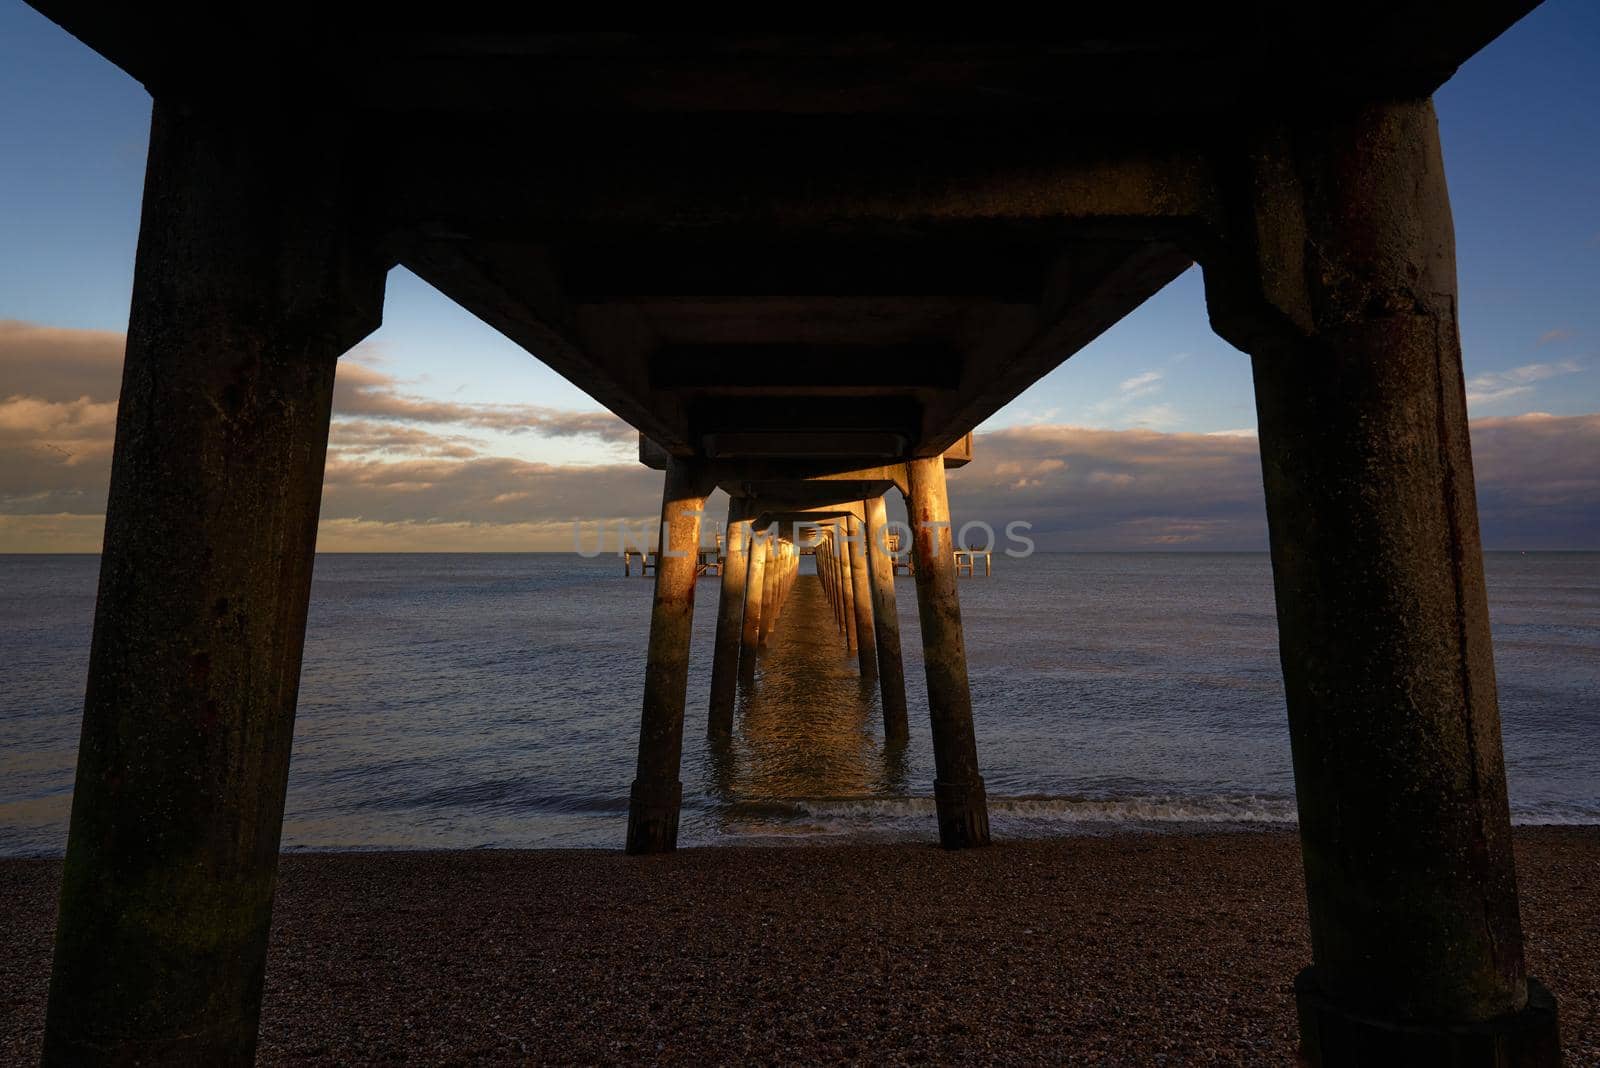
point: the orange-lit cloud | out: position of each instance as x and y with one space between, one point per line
410 473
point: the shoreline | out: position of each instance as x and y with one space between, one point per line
865 836
1128 947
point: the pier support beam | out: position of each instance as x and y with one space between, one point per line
755 585
657 793
247 288
769 592
957 788
861 594
886 623
1382 616
785 554
847 588
730 620
836 577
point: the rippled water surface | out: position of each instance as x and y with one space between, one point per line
471 700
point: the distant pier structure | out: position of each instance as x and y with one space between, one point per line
795 257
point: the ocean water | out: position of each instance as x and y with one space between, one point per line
452 701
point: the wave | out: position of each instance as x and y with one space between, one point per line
1031 816
1009 817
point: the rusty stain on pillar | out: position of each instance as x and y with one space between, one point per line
861 594
957 788
247 288
754 587
730 619
1382 615
657 792
886 622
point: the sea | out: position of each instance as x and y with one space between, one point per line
465 701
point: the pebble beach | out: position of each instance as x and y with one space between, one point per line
1169 949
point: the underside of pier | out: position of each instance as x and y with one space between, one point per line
784 258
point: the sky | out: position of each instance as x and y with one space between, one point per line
449 437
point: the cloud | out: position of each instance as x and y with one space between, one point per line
490 489
362 390
58 399
411 473
1552 336
1153 416
1121 406
1089 488
1495 386
1538 481
1139 384
51 363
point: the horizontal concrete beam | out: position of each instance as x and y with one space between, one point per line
1151 57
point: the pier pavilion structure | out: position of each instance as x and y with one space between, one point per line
849 246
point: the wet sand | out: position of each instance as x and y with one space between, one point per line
1168 949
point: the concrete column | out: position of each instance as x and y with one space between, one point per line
820 559
840 581
958 788
730 620
774 600
769 595
782 580
755 585
847 590
247 287
657 793
1382 617
836 595
886 623
861 594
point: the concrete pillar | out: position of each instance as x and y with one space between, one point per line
861 596
1382 617
958 788
247 287
769 595
886 623
847 589
784 548
820 558
755 585
654 801
840 579
730 620
837 595
774 587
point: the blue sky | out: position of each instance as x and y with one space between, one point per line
438 399
1521 132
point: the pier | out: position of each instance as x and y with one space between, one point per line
805 268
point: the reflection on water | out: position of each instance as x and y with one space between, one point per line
809 726
460 701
